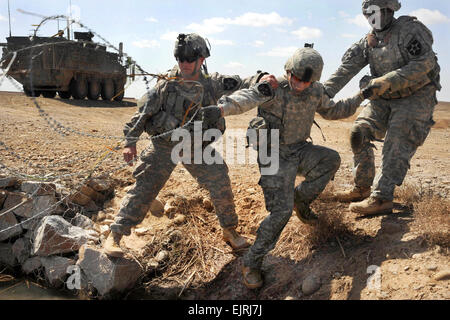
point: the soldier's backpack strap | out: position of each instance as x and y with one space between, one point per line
172 102
317 125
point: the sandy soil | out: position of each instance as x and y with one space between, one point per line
407 262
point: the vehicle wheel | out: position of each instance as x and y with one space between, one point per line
30 93
64 94
107 89
49 94
27 92
119 89
94 90
79 89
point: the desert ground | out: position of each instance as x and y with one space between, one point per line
409 248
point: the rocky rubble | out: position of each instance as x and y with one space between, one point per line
105 274
44 231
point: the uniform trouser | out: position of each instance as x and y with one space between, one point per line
153 171
404 124
318 165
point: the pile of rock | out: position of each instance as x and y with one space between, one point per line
42 234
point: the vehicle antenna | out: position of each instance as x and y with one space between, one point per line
9 19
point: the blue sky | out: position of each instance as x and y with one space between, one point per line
245 35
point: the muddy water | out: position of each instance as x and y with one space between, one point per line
20 290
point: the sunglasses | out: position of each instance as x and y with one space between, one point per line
293 77
187 59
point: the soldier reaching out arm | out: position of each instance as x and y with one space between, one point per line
162 110
290 109
404 79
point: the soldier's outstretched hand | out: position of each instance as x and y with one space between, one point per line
271 80
211 114
129 154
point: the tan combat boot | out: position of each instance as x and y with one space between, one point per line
112 245
353 195
236 241
372 206
252 278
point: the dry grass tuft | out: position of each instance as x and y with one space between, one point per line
432 219
410 194
195 249
331 226
431 213
298 239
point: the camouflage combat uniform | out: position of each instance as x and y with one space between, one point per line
164 109
293 114
404 115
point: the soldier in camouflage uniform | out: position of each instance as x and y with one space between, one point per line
163 109
290 109
405 77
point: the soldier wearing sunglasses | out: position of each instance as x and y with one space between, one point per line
169 106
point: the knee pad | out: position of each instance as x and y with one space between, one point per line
358 138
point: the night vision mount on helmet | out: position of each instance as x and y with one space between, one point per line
190 47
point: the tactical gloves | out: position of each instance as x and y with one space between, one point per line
378 87
211 115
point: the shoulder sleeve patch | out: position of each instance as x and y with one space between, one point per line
417 39
414 47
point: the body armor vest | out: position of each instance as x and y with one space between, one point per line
177 100
284 117
389 55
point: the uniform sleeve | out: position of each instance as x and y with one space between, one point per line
226 85
246 99
342 109
148 105
354 60
417 42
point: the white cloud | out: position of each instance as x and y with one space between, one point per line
306 33
343 14
234 65
258 43
429 16
218 42
349 35
360 21
210 26
2 18
249 19
282 30
146 44
252 19
170 36
151 19
280 52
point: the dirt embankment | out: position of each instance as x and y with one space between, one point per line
402 252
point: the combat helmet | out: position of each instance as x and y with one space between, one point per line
394 5
306 64
190 47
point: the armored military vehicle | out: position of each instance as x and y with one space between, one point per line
78 69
